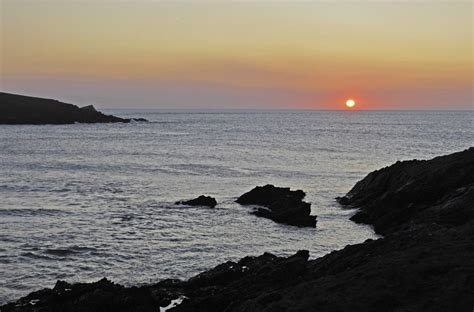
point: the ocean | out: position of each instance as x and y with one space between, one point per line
81 202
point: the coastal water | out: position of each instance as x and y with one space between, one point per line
80 202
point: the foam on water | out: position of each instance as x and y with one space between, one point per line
80 202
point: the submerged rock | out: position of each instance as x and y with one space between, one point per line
140 119
200 201
19 109
281 205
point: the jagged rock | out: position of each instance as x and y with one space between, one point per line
269 194
19 109
397 195
200 201
102 295
281 205
90 108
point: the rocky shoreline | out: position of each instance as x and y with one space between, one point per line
19 109
424 262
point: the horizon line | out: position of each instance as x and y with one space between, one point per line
249 109
288 109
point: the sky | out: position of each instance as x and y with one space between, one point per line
240 54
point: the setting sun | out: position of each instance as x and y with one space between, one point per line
350 103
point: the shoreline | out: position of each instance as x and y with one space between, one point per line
18 109
423 262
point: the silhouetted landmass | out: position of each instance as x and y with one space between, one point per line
410 192
202 200
281 205
19 109
424 262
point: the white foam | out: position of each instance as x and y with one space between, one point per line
174 303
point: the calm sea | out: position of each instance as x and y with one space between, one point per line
80 202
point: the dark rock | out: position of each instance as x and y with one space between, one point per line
281 205
268 194
431 270
140 119
90 108
102 295
19 109
410 191
200 201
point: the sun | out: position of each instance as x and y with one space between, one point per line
350 103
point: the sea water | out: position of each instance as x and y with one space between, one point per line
85 201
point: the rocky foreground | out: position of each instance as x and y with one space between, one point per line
19 109
423 263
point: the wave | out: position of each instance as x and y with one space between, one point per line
68 250
28 212
33 255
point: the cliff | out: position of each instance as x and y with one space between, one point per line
19 109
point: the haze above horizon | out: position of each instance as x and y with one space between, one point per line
240 54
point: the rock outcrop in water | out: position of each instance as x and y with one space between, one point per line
424 262
416 191
281 205
19 109
202 200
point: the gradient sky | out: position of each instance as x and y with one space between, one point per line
240 54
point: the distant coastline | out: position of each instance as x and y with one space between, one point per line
19 109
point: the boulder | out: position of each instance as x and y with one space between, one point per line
268 194
199 201
280 204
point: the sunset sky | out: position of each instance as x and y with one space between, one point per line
240 54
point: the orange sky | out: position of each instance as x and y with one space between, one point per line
247 54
